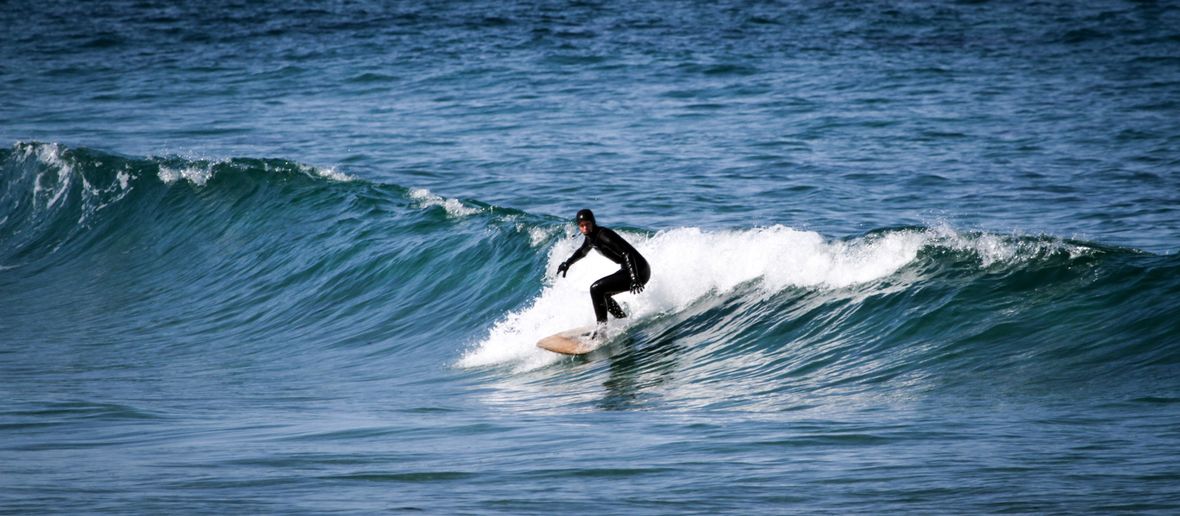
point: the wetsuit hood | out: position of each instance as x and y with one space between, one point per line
585 215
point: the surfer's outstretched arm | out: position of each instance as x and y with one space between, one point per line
578 255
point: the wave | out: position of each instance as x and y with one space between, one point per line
51 192
779 316
714 267
263 256
177 252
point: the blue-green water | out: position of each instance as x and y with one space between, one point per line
294 257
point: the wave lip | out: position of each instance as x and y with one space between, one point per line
51 193
454 207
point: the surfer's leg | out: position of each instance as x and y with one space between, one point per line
614 309
602 289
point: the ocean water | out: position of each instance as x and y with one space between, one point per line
294 257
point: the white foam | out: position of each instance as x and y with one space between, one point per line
98 198
539 235
993 249
60 171
197 175
124 179
327 173
56 177
453 207
688 264
200 172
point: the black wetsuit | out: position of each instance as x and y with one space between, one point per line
634 272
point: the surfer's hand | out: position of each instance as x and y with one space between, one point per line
561 269
636 288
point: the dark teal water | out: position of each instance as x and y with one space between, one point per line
294 258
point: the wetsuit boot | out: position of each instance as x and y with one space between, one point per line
599 331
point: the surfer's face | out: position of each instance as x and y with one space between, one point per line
586 227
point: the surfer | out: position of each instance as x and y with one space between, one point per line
632 276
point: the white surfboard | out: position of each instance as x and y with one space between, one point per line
571 342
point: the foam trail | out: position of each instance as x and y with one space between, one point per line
687 265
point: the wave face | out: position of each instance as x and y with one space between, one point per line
224 313
277 253
176 251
